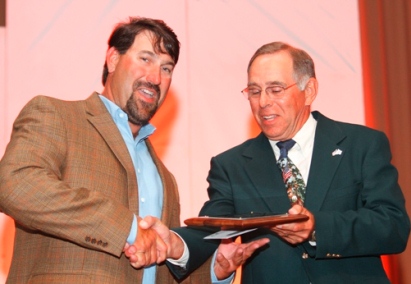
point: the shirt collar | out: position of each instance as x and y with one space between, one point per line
120 117
304 138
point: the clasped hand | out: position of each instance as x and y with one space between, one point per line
151 243
155 242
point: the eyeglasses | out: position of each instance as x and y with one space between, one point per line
273 92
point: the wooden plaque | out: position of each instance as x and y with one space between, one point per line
241 223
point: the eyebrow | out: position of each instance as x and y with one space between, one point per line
155 55
269 83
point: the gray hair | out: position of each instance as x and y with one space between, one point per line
303 64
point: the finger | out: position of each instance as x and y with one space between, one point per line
151 257
161 256
222 262
139 261
150 252
133 258
223 267
238 258
261 242
144 246
161 251
287 235
129 252
253 246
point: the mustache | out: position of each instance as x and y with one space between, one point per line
138 84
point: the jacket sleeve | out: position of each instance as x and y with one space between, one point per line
35 193
369 216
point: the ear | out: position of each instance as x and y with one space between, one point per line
310 91
112 58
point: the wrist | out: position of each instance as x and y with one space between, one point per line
176 248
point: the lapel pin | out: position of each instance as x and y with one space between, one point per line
337 152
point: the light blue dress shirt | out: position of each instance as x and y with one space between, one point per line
150 187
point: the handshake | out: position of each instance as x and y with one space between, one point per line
155 243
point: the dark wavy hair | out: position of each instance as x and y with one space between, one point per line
122 38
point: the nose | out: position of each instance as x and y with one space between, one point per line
154 76
265 100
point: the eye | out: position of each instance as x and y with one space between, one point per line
167 69
275 90
145 59
254 92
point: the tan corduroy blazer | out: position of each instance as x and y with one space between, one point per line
68 181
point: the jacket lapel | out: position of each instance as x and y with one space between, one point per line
101 119
261 166
327 155
169 185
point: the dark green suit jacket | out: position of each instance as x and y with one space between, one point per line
353 193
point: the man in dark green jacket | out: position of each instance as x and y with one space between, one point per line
355 206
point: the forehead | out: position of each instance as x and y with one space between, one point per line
276 66
144 41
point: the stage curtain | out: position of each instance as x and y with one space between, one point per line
386 58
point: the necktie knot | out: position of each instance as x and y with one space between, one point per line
284 146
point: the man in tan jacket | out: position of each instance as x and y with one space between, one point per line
77 176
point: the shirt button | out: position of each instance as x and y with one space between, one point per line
121 114
143 199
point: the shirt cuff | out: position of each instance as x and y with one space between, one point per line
182 261
133 231
313 240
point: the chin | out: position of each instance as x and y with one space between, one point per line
272 135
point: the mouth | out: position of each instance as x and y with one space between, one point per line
150 94
147 92
269 117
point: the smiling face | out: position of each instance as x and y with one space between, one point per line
138 80
280 118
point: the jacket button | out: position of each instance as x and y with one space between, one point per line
305 255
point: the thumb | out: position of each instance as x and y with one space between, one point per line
147 222
296 209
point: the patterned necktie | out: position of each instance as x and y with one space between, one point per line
293 180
